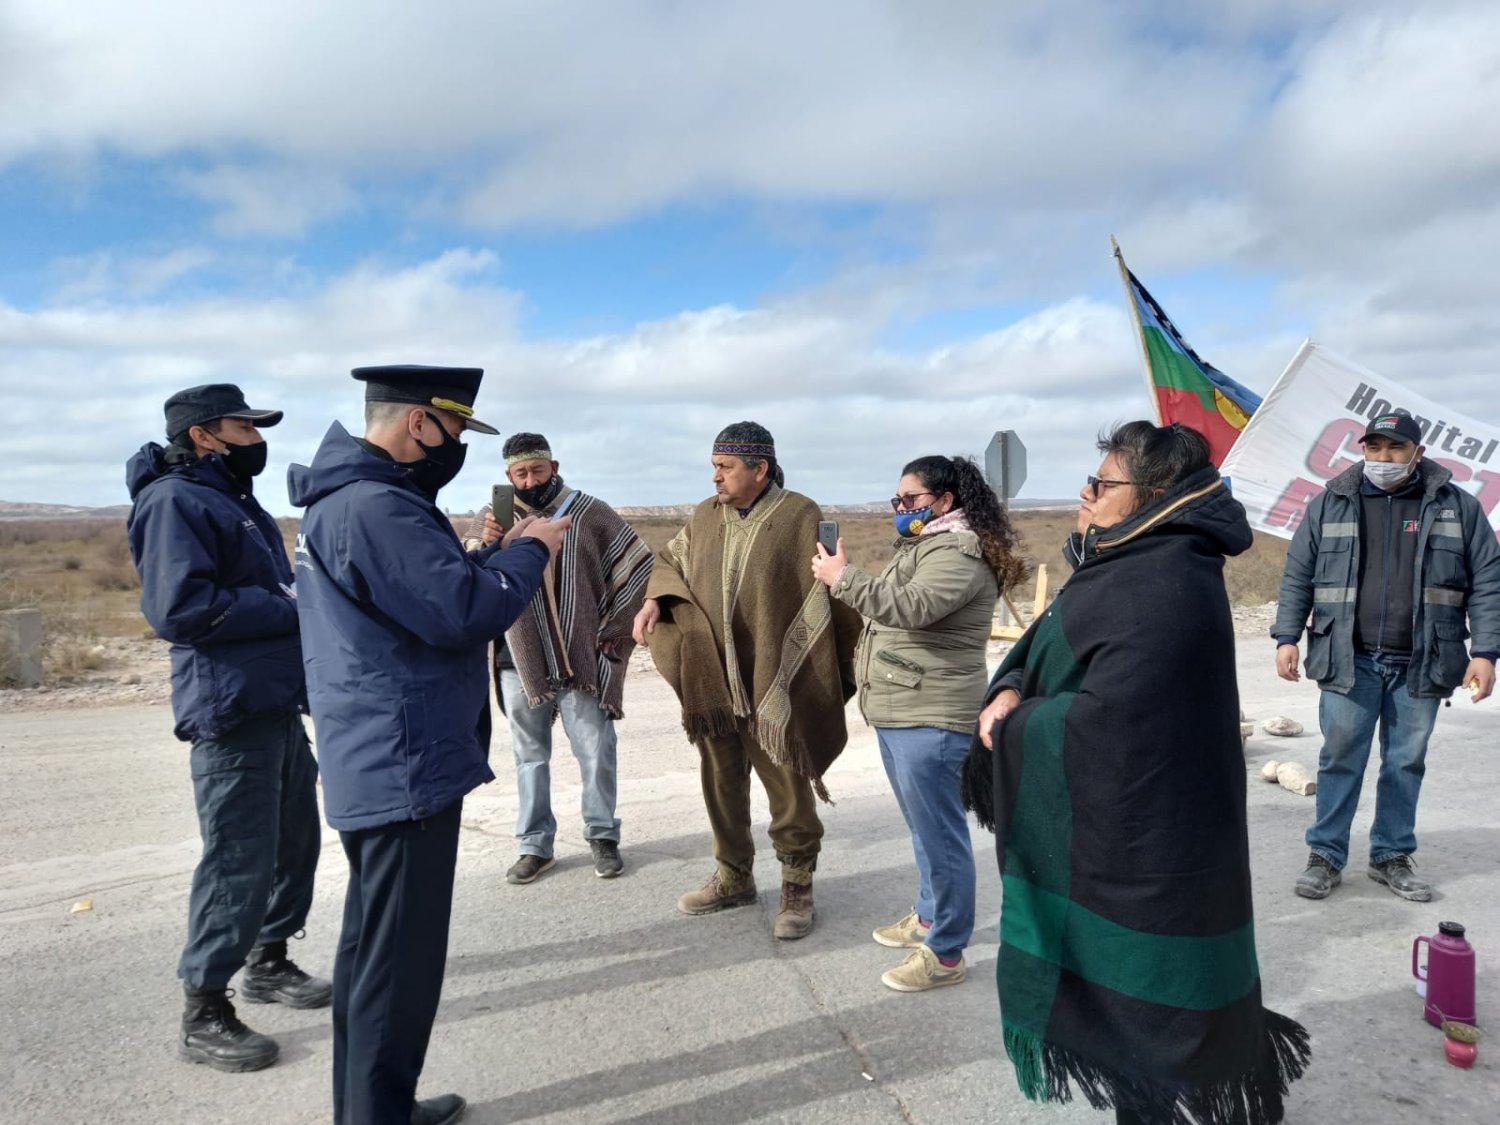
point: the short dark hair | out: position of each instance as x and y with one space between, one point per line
524 443
1156 457
214 426
752 433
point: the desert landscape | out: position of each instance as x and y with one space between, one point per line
577 1000
74 565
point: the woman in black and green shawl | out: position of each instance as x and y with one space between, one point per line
1109 765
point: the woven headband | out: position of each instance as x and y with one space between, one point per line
529 455
745 449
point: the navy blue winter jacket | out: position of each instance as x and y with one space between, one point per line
212 568
396 616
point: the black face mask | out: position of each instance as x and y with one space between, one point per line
244 461
441 463
538 496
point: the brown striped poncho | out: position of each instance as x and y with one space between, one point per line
592 593
748 635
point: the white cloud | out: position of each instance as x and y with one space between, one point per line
634 412
106 273
1339 154
273 201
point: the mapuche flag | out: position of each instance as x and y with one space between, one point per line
1183 387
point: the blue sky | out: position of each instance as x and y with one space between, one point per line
881 230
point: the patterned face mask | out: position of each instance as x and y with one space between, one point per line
910 524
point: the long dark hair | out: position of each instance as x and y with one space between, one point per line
986 515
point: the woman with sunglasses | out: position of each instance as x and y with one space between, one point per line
1109 765
921 672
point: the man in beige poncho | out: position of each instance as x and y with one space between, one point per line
761 659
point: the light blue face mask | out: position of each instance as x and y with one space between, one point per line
910 524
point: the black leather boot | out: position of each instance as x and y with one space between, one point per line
212 1034
442 1110
271 977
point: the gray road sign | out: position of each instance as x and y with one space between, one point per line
1005 463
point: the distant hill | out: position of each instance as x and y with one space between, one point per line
14 510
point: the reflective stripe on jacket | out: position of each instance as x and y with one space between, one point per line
1457 578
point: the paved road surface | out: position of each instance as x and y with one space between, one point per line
583 1000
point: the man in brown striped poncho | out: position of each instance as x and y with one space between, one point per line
762 661
566 657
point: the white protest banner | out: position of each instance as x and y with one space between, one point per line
1307 431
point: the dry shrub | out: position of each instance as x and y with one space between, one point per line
78 573
70 656
114 547
69 632
117 577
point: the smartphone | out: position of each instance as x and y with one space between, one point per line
828 535
503 504
562 509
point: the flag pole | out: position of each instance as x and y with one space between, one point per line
1140 331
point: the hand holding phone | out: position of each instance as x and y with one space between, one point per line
503 505
562 509
828 564
828 535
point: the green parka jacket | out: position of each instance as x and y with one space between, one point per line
921 655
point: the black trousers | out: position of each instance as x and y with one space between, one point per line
388 974
256 788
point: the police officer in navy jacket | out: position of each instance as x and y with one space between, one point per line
396 617
215 581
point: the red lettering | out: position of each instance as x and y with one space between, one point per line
1460 471
1323 458
1489 490
1288 511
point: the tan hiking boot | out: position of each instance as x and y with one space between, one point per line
905 934
795 918
714 896
921 971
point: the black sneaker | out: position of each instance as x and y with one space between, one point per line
607 861
212 1034
1397 874
271 977
528 867
441 1110
1319 879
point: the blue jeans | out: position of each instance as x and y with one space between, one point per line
924 765
591 733
1378 698
256 792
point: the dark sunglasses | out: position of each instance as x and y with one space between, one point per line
909 501
1097 485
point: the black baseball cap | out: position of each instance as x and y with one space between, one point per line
448 388
1397 427
198 406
